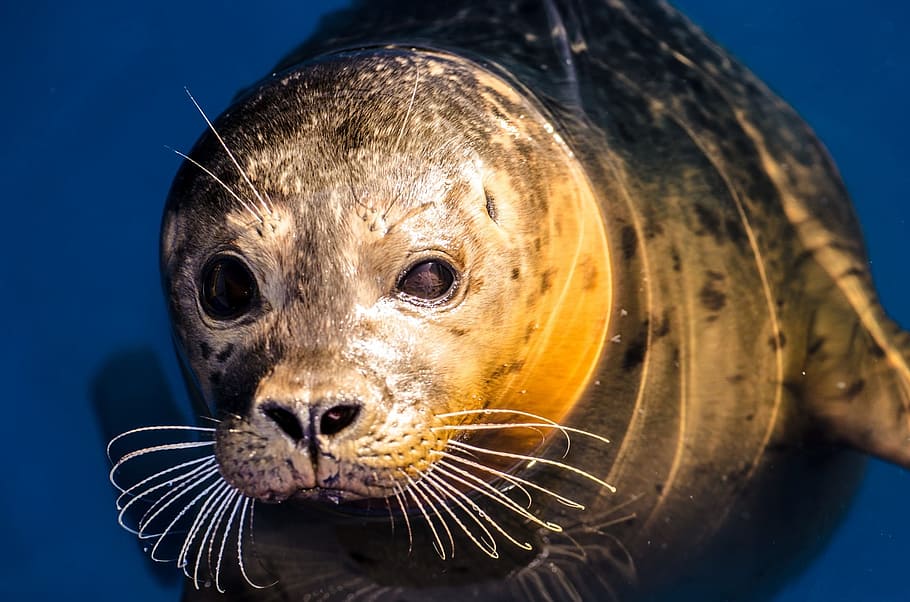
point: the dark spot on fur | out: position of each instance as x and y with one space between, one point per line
750 417
215 378
653 229
629 242
777 342
663 329
816 346
491 206
546 281
854 271
225 353
515 273
350 134
677 262
709 222
711 297
659 488
876 351
458 332
635 354
854 389
736 378
205 350
735 231
537 244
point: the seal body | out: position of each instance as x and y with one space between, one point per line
440 243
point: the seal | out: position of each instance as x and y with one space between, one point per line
483 306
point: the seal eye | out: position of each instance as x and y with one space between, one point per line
428 280
228 288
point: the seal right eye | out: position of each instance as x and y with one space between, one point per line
228 288
429 280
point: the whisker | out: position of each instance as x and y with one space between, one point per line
494 494
488 546
532 459
233 494
176 485
148 429
243 202
247 503
227 531
173 522
428 487
130 490
454 491
398 493
154 449
165 501
422 489
560 498
546 422
438 544
230 155
202 515
202 518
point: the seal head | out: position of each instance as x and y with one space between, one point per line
364 275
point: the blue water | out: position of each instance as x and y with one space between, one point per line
92 94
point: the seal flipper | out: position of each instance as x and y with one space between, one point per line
856 379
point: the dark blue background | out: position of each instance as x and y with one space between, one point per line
90 96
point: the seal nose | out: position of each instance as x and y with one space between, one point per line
286 420
337 418
332 419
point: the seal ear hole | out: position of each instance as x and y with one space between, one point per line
227 288
491 205
428 280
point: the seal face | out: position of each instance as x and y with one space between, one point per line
421 284
376 276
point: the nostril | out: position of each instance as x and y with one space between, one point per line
337 418
286 420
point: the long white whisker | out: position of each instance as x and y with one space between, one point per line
243 202
410 489
233 159
494 494
560 498
216 511
202 518
227 531
165 501
398 493
426 487
176 485
180 514
154 449
564 429
225 504
488 545
443 474
247 503
547 461
130 491
147 429
421 488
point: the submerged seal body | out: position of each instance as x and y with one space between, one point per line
537 301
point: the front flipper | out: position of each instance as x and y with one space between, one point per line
856 376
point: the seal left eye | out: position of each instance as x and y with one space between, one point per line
228 288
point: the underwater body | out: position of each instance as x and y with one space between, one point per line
192 125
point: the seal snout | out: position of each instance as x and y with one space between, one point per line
329 417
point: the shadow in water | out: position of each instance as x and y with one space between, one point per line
130 390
